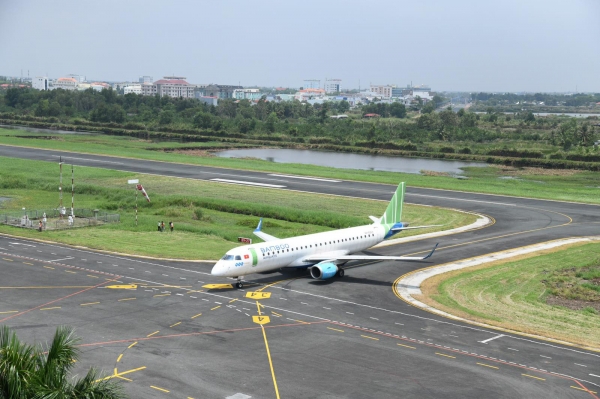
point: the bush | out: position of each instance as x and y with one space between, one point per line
465 150
447 150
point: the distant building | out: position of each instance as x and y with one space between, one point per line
333 86
145 79
99 86
40 83
133 88
207 100
170 86
309 94
78 78
219 91
383 91
66 84
247 94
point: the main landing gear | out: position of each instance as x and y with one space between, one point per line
340 273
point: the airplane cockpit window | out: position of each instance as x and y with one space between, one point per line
227 257
237 257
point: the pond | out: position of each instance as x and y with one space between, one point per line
350 161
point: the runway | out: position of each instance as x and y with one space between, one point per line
349 337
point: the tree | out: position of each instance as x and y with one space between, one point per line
271 121
437 100
166 117
428 108
397 110
529 117
343 106
12 97
203 120
28 371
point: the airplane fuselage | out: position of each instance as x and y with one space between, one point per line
292 252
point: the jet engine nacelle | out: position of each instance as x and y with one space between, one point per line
323 271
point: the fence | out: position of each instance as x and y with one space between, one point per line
57 220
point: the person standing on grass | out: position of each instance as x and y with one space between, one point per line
158 226
40 228
162 226
171 226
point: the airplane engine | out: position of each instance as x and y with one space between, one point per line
323 271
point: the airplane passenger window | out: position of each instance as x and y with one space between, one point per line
238 257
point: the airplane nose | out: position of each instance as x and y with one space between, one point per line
218 269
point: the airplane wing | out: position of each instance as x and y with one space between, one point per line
324 257
263 236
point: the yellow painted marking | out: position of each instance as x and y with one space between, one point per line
300 321
366 336
121 374
162 295
217 286
9 311
122 287
487 365
198 315
92 276
442 354
584 390
216 307
258 295
258 306
89 303
48 267
334 329
69 271
56 307
270 361
10 260
275 314
155 332
261 319
176 324
119 359
132 345
126 299
159 389
233 300
27 263
406 346
532 376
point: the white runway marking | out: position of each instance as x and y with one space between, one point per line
547 357
247 183
57 260
582 365
516 350
306 178
491 339
18 243
594 375
87 159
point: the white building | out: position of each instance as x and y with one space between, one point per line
333 86
145 79
382 91
247 94
40 83
133 88
66 84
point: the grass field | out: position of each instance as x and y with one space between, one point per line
580 186
201 231
520 295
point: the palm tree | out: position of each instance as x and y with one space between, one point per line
28 371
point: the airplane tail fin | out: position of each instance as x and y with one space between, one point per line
393 213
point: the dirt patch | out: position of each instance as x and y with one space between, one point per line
573 304
434 173
198 153
509 170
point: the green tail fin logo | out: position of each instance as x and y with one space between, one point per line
393 213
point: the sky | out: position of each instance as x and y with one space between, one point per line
460 45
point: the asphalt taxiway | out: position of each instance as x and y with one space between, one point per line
169 329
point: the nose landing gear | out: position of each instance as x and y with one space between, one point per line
239 284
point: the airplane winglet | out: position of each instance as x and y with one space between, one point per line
259 227
432 251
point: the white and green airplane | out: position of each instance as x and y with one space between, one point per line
323 253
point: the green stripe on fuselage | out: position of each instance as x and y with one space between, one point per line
254 256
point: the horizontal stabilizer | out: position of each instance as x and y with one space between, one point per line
415 227
263 236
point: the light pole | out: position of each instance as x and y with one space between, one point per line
135 181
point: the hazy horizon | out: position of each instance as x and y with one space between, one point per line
507 46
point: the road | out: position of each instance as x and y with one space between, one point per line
166 328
